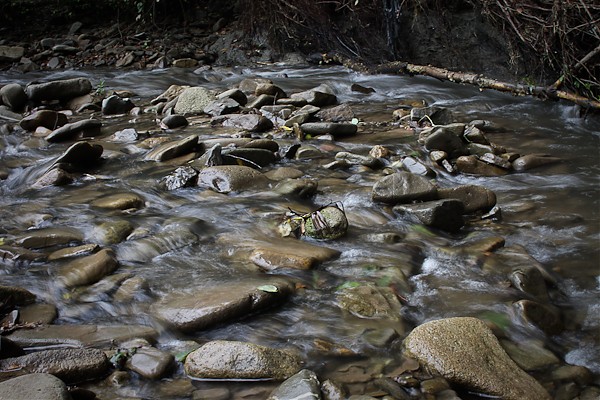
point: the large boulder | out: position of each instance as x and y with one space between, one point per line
403 187
465 351
474 198
59 90
34 387
220 302
13 95
222 359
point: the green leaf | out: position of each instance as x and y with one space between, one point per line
501 320
268 288
183 355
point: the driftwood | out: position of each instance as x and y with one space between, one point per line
399 67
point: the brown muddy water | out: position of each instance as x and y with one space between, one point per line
551 212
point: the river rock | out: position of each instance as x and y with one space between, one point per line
11 53
112 232
171 237
80 156
443 214
544 316
126 135
222 359
39 313
48 237
250 157
341 113
414 166
319 96
269 89
193 100
474 198
70 365
59 90
296 187
369 301
170 150
248 122
333 391
75 251
15 296
472 165
336 129
180 178
328 223
218 303
114 105
81 335
89 269
235 94
359 159
466 352
150 363
55 177
530 161
495 160
119 201
7 114
403 187
13 95
530 356
174 121
231 178
9 349
222 107
47 118
530 280
34 387
260 101
302 385
446 138
290 253
83 128
283 173
19 254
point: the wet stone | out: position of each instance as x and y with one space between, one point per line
39 313
239 360
211 394
531 281
112 232
290 253
297 187
530 356
544 316
59 90
15 296
217 303
114 105
70 365
416 167
55 177
33 386
472 165
368 301
336 129
474 198
357 159
174 121
89 269
48 237
283 173
119 201
319 96
47 118
464 351
76 251
231 178
126 135
83 128
403 187
81 335
80 156
260 101
235 94
250 157
248 122
328 223
531 161
180 178
302 385
495 160
333 391
150 363
13 95
170 150
446 138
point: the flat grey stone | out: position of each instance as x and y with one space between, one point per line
37 386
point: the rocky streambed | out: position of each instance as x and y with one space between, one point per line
294 233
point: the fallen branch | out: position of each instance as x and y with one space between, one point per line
399 67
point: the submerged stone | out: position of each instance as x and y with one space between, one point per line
231 178
90 269
220 302
440 214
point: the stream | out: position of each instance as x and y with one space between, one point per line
551 212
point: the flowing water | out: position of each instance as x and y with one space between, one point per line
552 212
